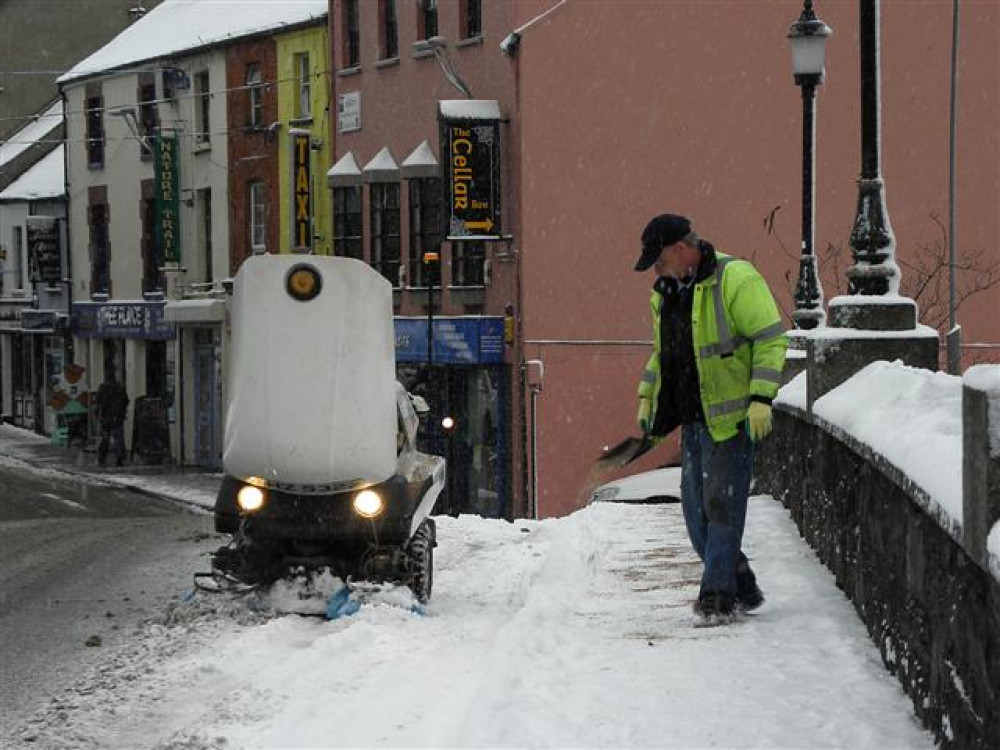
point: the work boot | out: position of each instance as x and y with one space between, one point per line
715 604
748 594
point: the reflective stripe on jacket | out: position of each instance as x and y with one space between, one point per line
739 345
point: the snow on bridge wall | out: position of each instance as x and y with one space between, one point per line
931 609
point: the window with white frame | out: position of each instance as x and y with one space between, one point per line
203 100
303 77
255 96
258 241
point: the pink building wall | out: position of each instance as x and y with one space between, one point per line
622 110
399 109
633 109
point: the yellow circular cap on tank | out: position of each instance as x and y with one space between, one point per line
303 282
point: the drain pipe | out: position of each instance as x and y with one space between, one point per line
536 389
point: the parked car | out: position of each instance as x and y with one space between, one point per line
656 486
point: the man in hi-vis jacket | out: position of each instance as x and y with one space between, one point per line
718 352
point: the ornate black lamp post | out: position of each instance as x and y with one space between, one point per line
808 36
872 242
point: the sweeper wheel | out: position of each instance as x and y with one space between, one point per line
420 552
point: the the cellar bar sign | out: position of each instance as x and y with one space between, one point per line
470 150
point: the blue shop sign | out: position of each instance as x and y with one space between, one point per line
457 341
121 320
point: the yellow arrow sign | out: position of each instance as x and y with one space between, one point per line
486 225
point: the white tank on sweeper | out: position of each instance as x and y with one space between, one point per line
313 385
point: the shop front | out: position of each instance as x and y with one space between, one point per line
34 332
461 374
33 352
132 340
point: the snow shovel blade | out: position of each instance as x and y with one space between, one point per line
627 451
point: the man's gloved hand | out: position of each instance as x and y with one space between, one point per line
759 421
645 410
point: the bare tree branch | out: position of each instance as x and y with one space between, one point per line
925 277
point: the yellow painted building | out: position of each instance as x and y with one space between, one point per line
304 156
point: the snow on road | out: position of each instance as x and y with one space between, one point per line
572 632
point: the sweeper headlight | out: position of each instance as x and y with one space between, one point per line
303 282
368 504
250 498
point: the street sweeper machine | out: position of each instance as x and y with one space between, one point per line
321 470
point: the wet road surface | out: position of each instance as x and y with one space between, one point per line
80 566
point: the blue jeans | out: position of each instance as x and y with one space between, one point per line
715 484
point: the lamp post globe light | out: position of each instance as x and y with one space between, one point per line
808 37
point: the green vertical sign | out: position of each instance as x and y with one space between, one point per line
167 197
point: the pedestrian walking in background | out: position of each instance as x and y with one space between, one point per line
718 352
112 407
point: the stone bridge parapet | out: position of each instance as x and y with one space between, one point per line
915 548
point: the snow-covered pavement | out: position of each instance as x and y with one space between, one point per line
572 632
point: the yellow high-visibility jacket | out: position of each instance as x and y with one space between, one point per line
739 346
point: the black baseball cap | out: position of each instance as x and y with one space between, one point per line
662 230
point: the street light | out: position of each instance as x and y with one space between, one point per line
808 37
872 242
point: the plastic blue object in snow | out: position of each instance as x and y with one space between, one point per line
341 604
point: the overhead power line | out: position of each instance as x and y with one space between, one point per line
211 93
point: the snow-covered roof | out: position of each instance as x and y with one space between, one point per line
39 127
470 109
46 179
345 172
178 26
